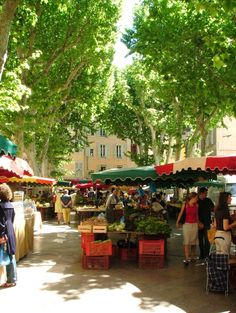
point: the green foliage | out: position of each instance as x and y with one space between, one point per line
64 51
193 53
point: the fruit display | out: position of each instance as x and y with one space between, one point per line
95 220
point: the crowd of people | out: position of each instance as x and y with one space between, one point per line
200 216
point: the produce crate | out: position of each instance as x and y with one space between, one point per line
85 238
98 248
128 254
95 262
151 261
85 228
152 247
100 229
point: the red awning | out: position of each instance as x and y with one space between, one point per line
25 165
94 185
216 164
9 168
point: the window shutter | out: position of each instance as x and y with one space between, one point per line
107 151
98 150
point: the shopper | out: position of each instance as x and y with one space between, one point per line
58 207
205 208
66 206
111 202
222 224
190 227
7 214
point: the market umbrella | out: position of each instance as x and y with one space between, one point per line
7 147
91 184
34 180
27 170
9 168
75 181
147 175
210 183
64 183
201 165
126 176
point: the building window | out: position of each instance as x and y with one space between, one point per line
103 168
102 132
211 137
119 166
119 151
91 152
102 151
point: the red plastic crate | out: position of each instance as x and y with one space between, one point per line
126 254
95 262
98 248
152 247
151 261
85 238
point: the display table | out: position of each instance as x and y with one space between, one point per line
46 211
84 212
24 231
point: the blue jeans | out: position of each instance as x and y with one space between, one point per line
11 270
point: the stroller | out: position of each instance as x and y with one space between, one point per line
217 268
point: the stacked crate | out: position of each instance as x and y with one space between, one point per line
151 253
96 255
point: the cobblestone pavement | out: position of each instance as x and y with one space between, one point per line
51 279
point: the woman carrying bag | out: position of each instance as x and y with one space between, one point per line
223 225
8 240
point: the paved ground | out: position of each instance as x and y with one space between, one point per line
51 279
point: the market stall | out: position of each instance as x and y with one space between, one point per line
38 189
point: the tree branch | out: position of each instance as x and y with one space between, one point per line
6 17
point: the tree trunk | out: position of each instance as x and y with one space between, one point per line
170 150
6 18
154 146
178 149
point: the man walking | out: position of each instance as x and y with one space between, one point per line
205 207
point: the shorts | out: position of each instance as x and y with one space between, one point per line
190 233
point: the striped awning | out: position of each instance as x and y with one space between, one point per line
215 164
33 180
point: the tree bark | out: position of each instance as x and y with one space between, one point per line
6 17
155 150
170 150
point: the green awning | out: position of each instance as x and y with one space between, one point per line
147 174
7 146
210 183
127 176
64 183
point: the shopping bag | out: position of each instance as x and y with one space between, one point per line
211 234
4 256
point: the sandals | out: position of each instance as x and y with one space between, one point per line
8 285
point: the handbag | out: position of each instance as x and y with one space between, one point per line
4 256
183 216
211 234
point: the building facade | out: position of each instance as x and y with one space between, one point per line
104 152
222 141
